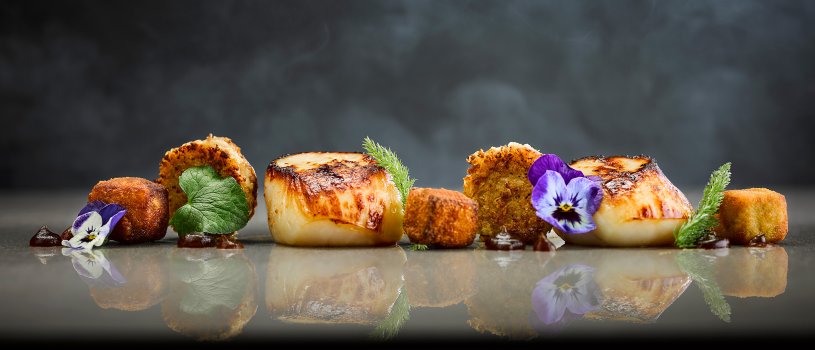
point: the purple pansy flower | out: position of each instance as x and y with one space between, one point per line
563 196
93 224
570 288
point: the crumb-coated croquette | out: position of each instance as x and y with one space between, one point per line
218 152
440 218
497 181
146 204
745 214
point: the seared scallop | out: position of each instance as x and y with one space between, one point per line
640 207
332 199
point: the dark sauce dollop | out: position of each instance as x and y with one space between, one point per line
543 244
45 238
712 242
758 241
203 240
503 241
67 234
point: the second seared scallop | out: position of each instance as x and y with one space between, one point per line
332 199
640 207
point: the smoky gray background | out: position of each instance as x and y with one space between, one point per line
91 90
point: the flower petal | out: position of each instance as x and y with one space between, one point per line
582 225
109 211
554 163
546 196
79 221
587 194
92 206
547 302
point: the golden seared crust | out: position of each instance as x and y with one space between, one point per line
218 152
440 218
497 181
323 177
146 203
636 183
745 214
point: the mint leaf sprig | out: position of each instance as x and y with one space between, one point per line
703 219
215 205
388 160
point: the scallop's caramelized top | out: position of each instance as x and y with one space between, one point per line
342 186
637 184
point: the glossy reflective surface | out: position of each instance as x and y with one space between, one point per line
270 292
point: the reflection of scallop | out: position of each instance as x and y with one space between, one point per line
636 285
355 286
213 293
146 274
752 272
501 302
439 279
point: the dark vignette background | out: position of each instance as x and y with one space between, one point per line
96 89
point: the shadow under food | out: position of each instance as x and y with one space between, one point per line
213 293
333 286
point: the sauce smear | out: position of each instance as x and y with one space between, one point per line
45 238
203 240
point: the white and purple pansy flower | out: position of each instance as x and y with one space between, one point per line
571 288
563 196
93 224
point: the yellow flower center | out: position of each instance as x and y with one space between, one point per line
565 207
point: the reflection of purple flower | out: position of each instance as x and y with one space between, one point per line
93 267
93 224
570 288
563 196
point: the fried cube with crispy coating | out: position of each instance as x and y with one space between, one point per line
440 218
146 204
497 181
745 214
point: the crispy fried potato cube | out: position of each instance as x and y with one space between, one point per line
146 203
440 218
745 214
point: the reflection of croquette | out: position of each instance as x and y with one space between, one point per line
752 272
146 274
497 181
440 218
745 214
427 287
146 203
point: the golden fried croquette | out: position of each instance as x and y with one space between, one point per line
218 152
146 203
745 214
497 181
440 218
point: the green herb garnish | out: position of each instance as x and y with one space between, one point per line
214 204
388 160
400 313
703 219
695 265
417 247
